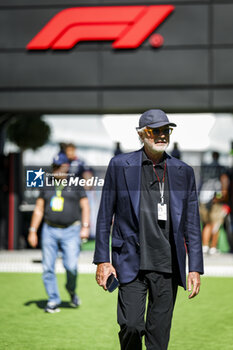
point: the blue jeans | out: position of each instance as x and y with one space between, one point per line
68 240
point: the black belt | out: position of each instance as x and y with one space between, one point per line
77 222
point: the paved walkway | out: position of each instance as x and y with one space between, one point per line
30 261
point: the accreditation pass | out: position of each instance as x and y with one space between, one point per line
162 211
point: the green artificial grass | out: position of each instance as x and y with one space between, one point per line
204 323
89 245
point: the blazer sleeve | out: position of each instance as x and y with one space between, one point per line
105 216
192 227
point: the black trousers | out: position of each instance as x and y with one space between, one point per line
161 289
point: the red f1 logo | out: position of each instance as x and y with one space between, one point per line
128 26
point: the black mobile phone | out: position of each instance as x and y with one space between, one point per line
112 283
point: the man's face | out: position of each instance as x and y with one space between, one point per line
70 152
157 139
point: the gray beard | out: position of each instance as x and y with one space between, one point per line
155 149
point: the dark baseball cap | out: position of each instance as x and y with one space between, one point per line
60 159
154 118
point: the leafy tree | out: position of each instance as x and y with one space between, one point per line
28 131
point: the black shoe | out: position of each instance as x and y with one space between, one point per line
75 301
51 308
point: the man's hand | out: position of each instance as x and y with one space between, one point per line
84 233
194 280
33 239
103 271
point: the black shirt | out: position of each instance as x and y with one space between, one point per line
64 211
155 247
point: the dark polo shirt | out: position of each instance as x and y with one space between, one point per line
155 247
71 211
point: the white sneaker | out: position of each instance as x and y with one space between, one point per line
205 249
212 251
51 308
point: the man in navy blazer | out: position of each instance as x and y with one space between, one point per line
149 206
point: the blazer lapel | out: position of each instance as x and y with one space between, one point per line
133 179
175 180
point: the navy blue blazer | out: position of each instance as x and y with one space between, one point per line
120 204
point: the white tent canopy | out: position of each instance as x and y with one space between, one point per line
95 135
194 132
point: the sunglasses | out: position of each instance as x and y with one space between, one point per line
158 131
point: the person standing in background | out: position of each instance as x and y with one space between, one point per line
213 202
176 152
77 166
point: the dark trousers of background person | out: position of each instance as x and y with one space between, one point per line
161 289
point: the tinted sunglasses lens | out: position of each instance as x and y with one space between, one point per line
166 131
155 132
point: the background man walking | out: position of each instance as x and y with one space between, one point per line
66 221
